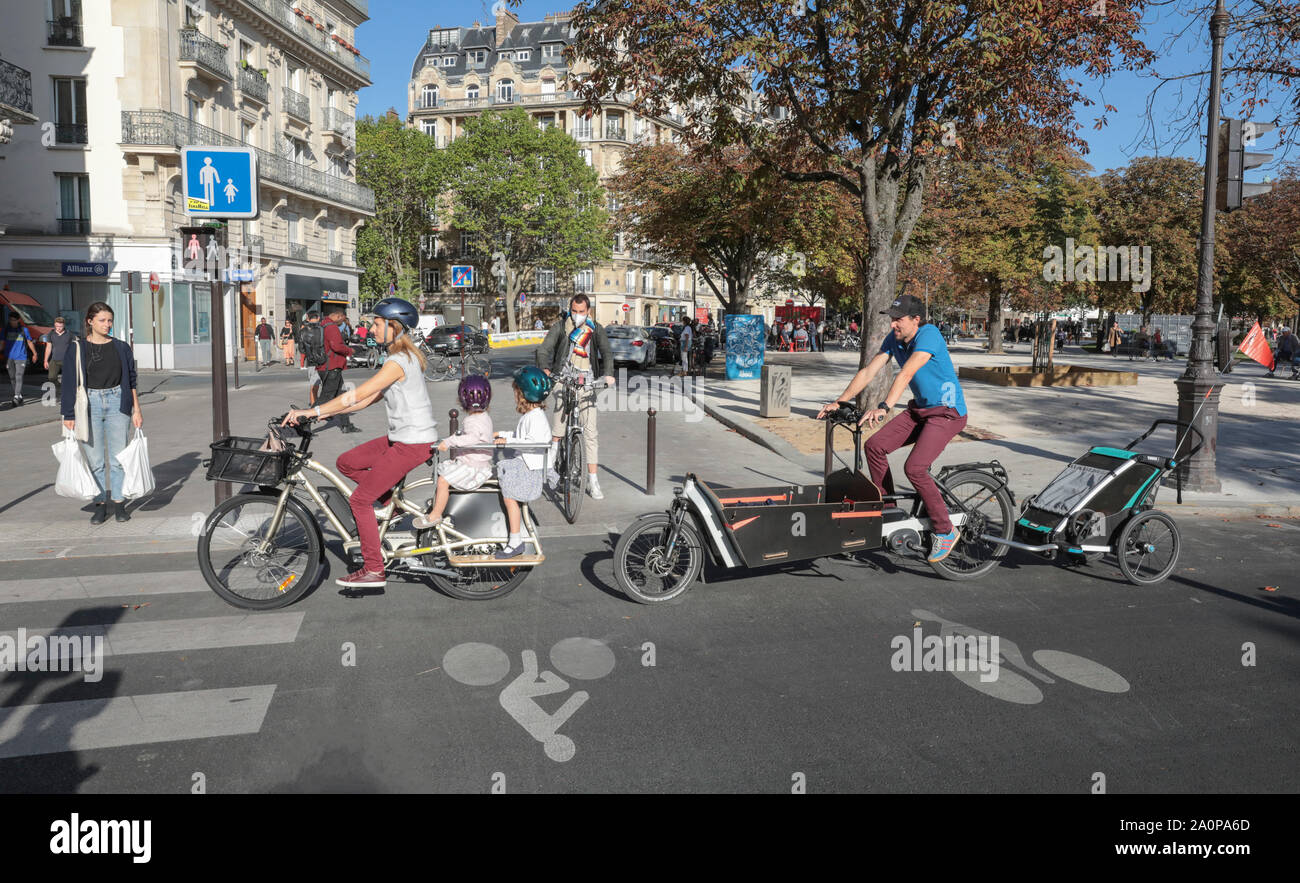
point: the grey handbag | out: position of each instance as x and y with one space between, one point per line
81 411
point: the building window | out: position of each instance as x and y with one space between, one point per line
471 92
449 61
647 282
464 244
431 280
505 55
548 86
477 57
546 121
523 54
552 50
546 282
586 155
247 133
629 281
505 91
583 281
65 23
618 243
429 96
70 111
429 127
333 31
74 204
246 53
582 129
295 229
338 167
192 16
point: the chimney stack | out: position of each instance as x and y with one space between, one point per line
506 21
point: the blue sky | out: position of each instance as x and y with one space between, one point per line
399 27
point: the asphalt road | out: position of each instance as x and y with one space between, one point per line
749 682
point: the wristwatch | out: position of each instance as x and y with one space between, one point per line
318 417
883 406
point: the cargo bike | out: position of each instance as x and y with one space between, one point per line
264 548
662 554
1103 503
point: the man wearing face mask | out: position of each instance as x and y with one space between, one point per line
578 342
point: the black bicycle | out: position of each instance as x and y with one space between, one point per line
571 456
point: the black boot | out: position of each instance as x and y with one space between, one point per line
120 513
101 513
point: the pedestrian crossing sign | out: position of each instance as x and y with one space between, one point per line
219 182
462 276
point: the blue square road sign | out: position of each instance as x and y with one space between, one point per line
220 182
462 276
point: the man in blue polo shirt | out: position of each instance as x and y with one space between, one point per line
936 413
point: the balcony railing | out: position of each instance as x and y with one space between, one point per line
336 258
297 251
205 51
547 98
69 133
255 244
253 84
340 123
282 14
15 87
74 226
462 102
582 133
63 32
159 127
297 105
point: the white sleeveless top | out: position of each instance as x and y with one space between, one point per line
410 413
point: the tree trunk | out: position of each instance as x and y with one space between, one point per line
511 295
880 279
995 316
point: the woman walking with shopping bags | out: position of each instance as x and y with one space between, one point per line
101 405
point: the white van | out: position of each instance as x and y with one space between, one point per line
430 321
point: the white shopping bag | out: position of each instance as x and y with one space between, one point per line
75 479
137 480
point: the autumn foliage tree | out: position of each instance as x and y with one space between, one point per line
1261 275
869 95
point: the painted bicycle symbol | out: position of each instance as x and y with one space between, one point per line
484 665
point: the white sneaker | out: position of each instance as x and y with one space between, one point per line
593 487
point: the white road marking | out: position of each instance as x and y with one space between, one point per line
105 585
173 635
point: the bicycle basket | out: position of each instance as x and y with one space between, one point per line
240 460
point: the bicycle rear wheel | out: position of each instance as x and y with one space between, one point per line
247 564
988 513
437 366
476 364
572 476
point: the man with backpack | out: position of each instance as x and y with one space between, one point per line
311 347
334 353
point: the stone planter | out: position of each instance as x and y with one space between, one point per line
1061 375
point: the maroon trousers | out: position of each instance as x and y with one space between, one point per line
928 430
376 466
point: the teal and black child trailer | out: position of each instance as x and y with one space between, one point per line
1104 503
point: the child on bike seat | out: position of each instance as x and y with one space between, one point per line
521 476
468 470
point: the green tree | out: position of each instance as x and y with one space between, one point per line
407 174
1261 274
1153 202
869 95
722 213
527 200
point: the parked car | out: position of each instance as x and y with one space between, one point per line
666 350
631 344
453 336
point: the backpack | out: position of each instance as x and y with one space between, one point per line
312 342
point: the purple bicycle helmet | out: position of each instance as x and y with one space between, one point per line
475 393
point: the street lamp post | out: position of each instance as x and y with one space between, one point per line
1198 389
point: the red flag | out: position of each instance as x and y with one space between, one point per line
1257 347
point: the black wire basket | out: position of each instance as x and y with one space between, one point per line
240 460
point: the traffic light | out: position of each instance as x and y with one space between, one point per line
1234 160
199 248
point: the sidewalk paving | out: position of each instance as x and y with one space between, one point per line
37 524
1035 431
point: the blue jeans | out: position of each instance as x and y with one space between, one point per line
108 428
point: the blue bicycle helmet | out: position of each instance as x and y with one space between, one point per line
398 310
533 383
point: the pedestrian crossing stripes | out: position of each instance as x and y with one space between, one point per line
42 728
105 585
87 724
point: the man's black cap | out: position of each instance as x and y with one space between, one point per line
905 305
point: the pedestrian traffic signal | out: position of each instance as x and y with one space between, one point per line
1235 160
199 249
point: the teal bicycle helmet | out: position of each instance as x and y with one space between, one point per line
533 383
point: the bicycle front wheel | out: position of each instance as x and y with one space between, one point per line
988 513
572 477
249 564
644 567
437 366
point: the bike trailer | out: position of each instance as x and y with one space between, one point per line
755 526
1093 496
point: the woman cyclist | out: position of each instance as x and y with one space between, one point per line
379 464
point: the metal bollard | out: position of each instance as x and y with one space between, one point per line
650 452
453 421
